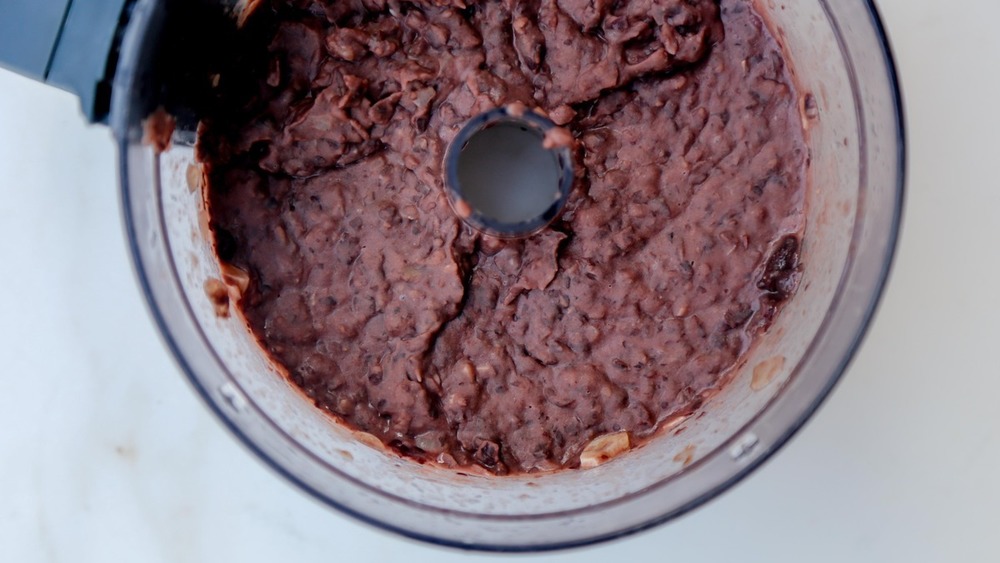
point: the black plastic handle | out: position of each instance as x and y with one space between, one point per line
71 44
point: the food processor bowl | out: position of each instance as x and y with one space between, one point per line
853 115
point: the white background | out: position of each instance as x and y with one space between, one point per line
107 455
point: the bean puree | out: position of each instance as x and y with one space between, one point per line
677 247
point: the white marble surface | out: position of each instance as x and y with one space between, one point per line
107 455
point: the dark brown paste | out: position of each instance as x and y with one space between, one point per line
678 245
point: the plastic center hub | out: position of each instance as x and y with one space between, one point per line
509 172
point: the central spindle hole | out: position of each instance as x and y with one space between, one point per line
506 175
503 178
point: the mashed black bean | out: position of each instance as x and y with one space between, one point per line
678 245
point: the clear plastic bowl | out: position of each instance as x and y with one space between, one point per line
840 54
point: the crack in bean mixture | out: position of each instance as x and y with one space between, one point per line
677 247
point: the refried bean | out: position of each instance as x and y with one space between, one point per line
677 247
